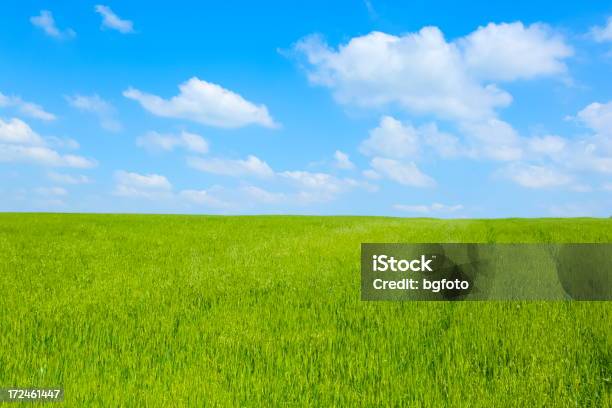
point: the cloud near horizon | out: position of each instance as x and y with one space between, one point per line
20 144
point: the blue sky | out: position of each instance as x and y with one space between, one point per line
437 109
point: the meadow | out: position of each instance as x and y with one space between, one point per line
159 310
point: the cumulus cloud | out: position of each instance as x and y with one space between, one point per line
494 139
63 178
113 21
424 73
205 103
16 131
593 152
317 181
557 160
598 117
20 144
446 145
46 22
602 33
342 161
317 187
158 187
394 139
251 166
26 108
149 186
99 107
391 139
261 195
420 72
407 174
42 156
306 186
535 176
536 162
507 52
549 145
428 208
155 142
203 197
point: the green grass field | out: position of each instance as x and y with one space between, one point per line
145 310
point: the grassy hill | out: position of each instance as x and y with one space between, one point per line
134 310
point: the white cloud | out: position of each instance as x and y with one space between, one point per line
46 22
42 156
194 142
251 166
20 144
444 144
535 176
16 131
93 104
508 52
394 139
316 181
99 107
494 139
317 187
154 141
26 108
549 145
34 111
598 117
593 152
113 21
426 209
205 103
68 178
606 187
604 33
158 187
407 174
263 196
203 197
309 187
391 139
586 153
557 160
51 191
421 72
150 186
342 161
371 174
63 142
